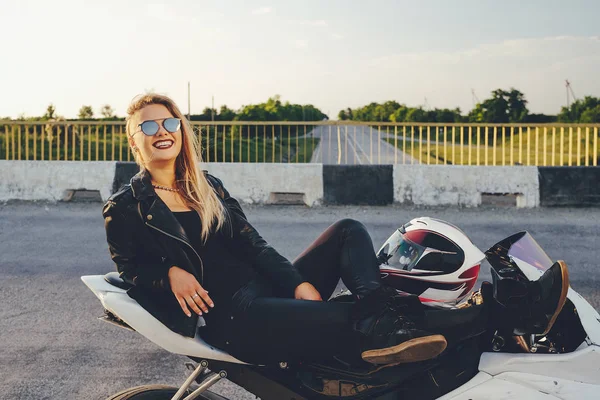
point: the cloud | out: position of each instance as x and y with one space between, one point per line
337 36
535 51
301 43
314 22
262 11
161 11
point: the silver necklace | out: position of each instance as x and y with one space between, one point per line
165 188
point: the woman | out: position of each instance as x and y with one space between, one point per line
185 244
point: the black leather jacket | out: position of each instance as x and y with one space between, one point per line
145 240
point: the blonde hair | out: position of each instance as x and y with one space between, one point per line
193 185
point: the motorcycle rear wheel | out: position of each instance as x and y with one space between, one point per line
158 392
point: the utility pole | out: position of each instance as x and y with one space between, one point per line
474 98
569 92
188 100
212 109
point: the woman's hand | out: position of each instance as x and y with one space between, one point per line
306 291
188 291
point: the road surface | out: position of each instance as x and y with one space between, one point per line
53 347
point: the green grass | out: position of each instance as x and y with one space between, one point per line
79 144
259 150
526 148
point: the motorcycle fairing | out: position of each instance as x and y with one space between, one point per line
567 376
117 301
522 386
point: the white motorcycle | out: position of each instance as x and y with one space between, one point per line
489 361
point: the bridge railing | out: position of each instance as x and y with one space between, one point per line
328 142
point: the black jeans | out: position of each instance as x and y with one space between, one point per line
269 329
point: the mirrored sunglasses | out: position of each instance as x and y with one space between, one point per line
150 127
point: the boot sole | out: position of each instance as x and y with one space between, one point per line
414 350
563 295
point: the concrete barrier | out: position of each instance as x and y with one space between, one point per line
569 186
358 184
50 180
441 185
255 182
314 184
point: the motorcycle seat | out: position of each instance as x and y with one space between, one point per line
114 279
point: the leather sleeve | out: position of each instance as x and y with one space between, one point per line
120 238
267 261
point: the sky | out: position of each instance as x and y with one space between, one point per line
331 53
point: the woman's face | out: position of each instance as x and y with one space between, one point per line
148 146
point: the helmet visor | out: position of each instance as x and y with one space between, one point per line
401 253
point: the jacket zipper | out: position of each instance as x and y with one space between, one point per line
187 244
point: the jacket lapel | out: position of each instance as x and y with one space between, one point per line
153 210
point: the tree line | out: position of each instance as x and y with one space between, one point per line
107 113
503 106
271 110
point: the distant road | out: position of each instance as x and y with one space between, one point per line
351 144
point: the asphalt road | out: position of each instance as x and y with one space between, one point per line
352 144
53 347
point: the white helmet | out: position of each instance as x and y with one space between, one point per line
432 259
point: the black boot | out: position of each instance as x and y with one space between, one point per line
547 297
387 322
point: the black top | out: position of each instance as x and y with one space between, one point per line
224 270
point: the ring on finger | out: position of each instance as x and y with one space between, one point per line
195 295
